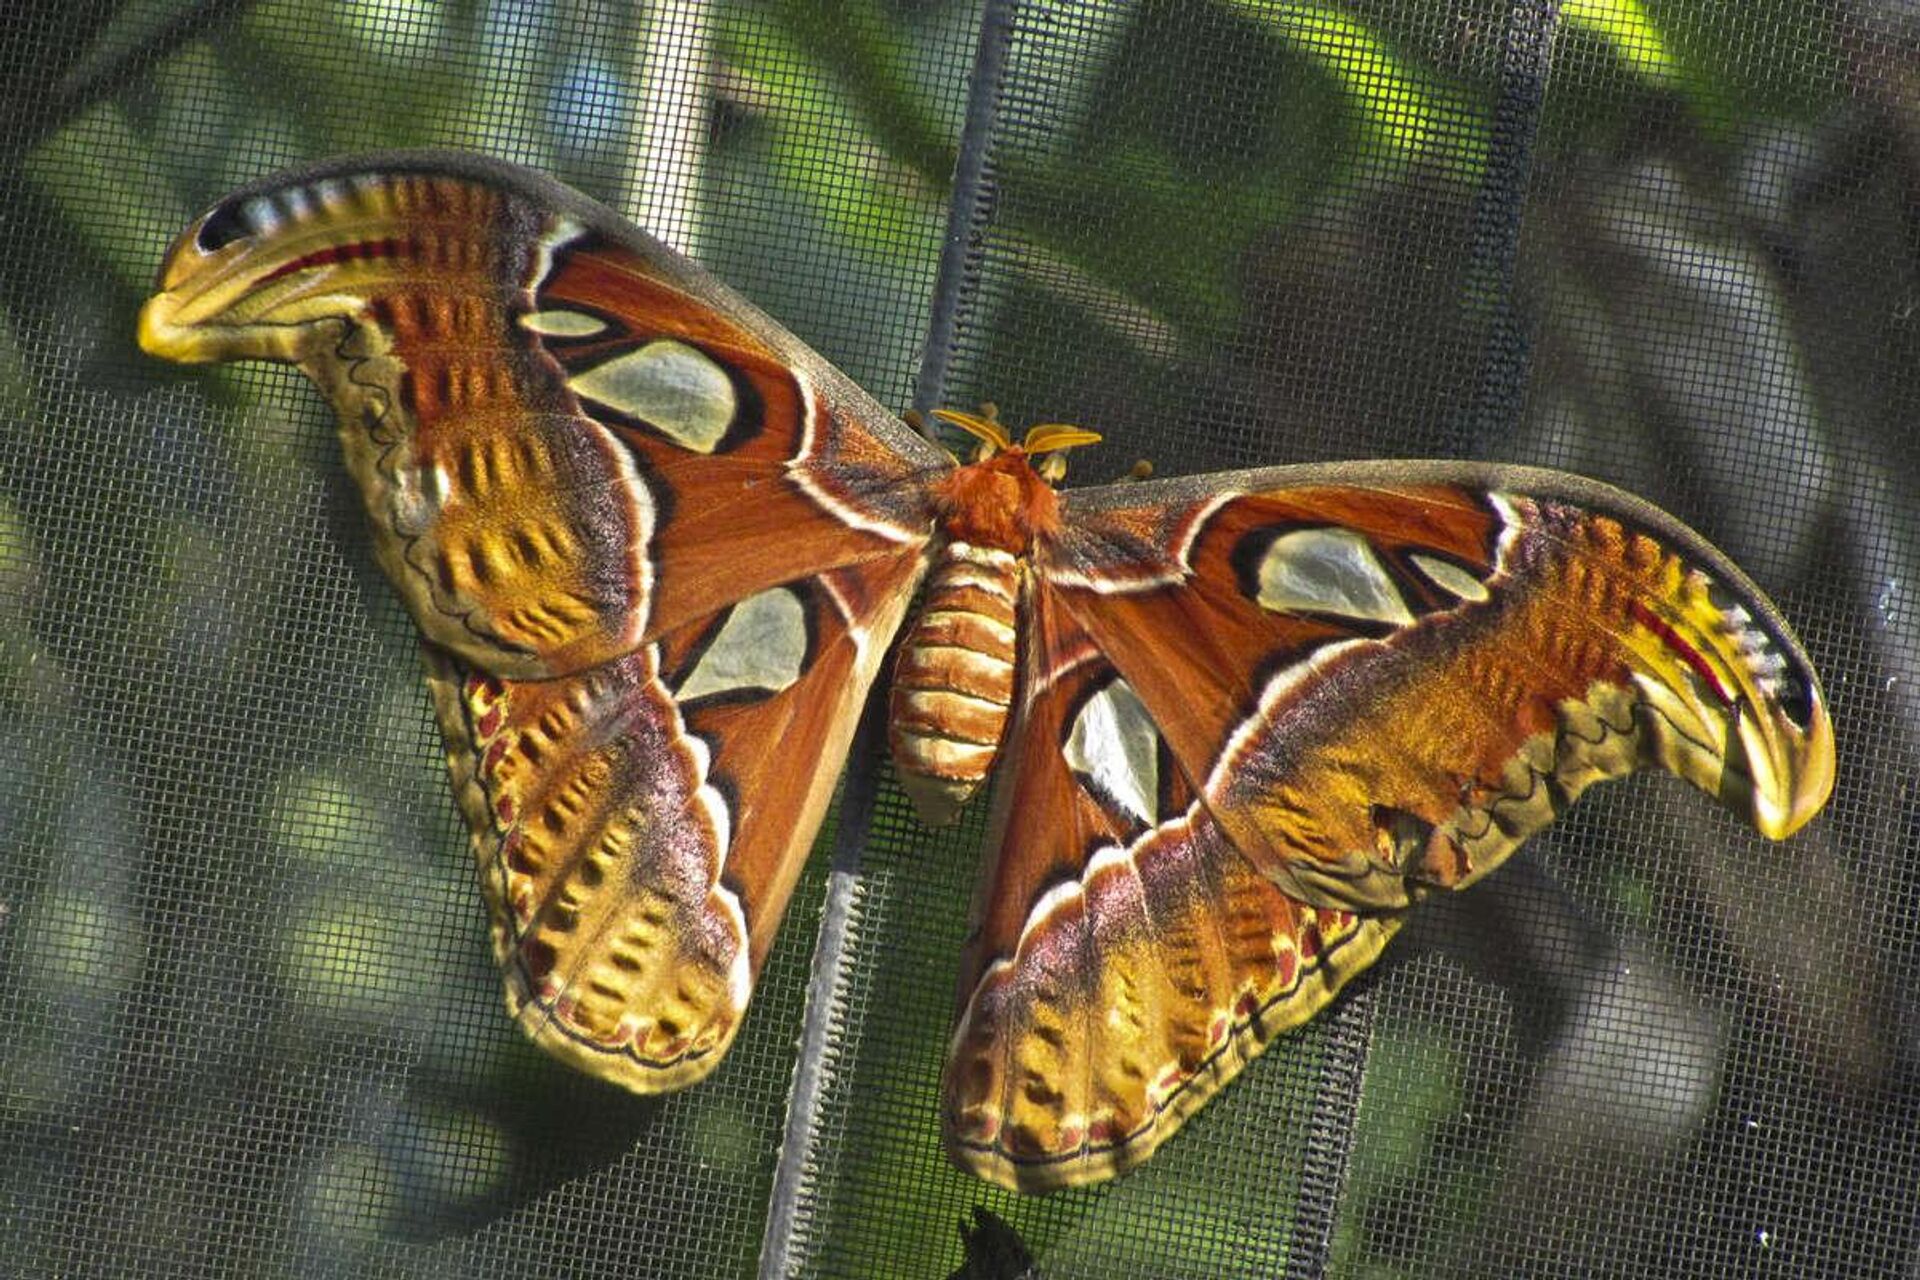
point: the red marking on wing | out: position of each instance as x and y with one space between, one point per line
1676 642
354 251
538 957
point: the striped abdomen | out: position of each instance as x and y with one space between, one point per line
953 681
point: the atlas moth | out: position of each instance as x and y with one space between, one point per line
657 551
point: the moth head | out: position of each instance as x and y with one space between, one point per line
1004 497
1047 441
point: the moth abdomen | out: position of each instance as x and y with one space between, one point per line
953 681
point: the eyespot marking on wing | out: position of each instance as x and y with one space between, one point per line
1451 578
561 322
1114 748
262 214
1328 571
762 646
670 386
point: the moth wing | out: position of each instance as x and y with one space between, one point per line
1264 712
639 826
1384 677
570 439
1126 960
654 544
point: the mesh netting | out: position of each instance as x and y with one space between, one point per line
251 1023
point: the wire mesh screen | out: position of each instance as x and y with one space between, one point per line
252 1024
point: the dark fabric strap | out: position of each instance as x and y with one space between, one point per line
795 1186
1526 59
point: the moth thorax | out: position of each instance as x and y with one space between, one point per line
953 680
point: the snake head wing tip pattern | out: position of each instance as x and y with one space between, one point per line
656 550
